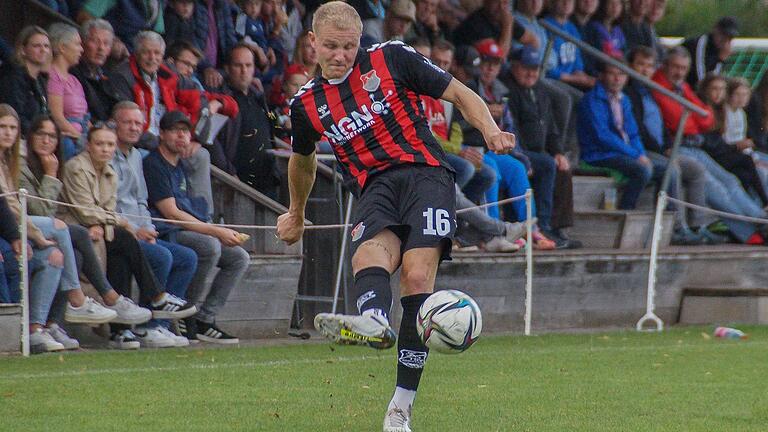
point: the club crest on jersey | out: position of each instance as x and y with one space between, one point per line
357 231
322 110
371 81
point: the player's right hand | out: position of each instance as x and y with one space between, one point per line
290 228
501 142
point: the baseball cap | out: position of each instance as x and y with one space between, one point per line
729 26
527 56
467 57
172 118
403 9
489 50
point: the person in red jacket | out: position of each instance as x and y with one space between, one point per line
698 129
158 89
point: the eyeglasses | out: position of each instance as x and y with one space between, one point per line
43 134
104 125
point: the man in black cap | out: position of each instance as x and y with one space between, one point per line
709 51
215 246
465 63
530 104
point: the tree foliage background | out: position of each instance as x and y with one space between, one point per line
691 17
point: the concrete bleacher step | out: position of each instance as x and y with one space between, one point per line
10 327
723 305
588 193
618 229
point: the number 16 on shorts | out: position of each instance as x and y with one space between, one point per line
436 222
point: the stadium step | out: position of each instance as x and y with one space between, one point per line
10 328
724 305
588 193
618 229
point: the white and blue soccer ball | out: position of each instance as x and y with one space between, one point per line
449 322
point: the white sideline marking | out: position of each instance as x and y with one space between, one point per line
286 362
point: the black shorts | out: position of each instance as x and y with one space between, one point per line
416 202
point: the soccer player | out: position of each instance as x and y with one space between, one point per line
366 104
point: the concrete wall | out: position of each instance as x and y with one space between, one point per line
592 290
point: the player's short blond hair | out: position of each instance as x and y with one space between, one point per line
338 14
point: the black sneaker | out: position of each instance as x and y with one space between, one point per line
172 307
210 333
188 329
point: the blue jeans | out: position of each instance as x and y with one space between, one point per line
464 169
71 147
725 193
69 277
512 178
9 274
484 178
42 285
174 266
638 176
543 183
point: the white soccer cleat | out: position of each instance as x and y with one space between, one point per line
371 330
397 420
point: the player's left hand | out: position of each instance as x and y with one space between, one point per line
501 142
290 228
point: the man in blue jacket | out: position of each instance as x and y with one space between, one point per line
609 136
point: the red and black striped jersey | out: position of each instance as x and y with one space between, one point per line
373 116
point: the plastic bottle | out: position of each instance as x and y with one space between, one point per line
729 333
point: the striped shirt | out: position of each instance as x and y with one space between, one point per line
373 116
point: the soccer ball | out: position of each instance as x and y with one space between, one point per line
449 322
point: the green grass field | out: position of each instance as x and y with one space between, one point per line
680 380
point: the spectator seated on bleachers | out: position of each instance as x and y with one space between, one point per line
687 171
251 31
217 248
127 18
401 14
569 67
539 138
10 248
40 176
583 12
426 24
736 130
243 149
23 82
725 191
609 136
66 97
604 33
493 20
294 78
709 51
92 73
635 26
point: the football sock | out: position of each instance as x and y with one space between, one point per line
402 399
412 353
374 293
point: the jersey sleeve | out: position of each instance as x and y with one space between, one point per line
303 135
417 72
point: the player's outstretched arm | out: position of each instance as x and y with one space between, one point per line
475 111
301 178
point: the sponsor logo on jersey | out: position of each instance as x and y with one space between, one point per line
412 359
371 81
358 121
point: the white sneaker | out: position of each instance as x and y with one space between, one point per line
500 244
179 341
40 341
397 420
153 338
59 335
371 330
129 312
124 340
90 312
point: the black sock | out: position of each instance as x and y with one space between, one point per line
412 353
373 291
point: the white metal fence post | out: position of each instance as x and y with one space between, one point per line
528 259
24 275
